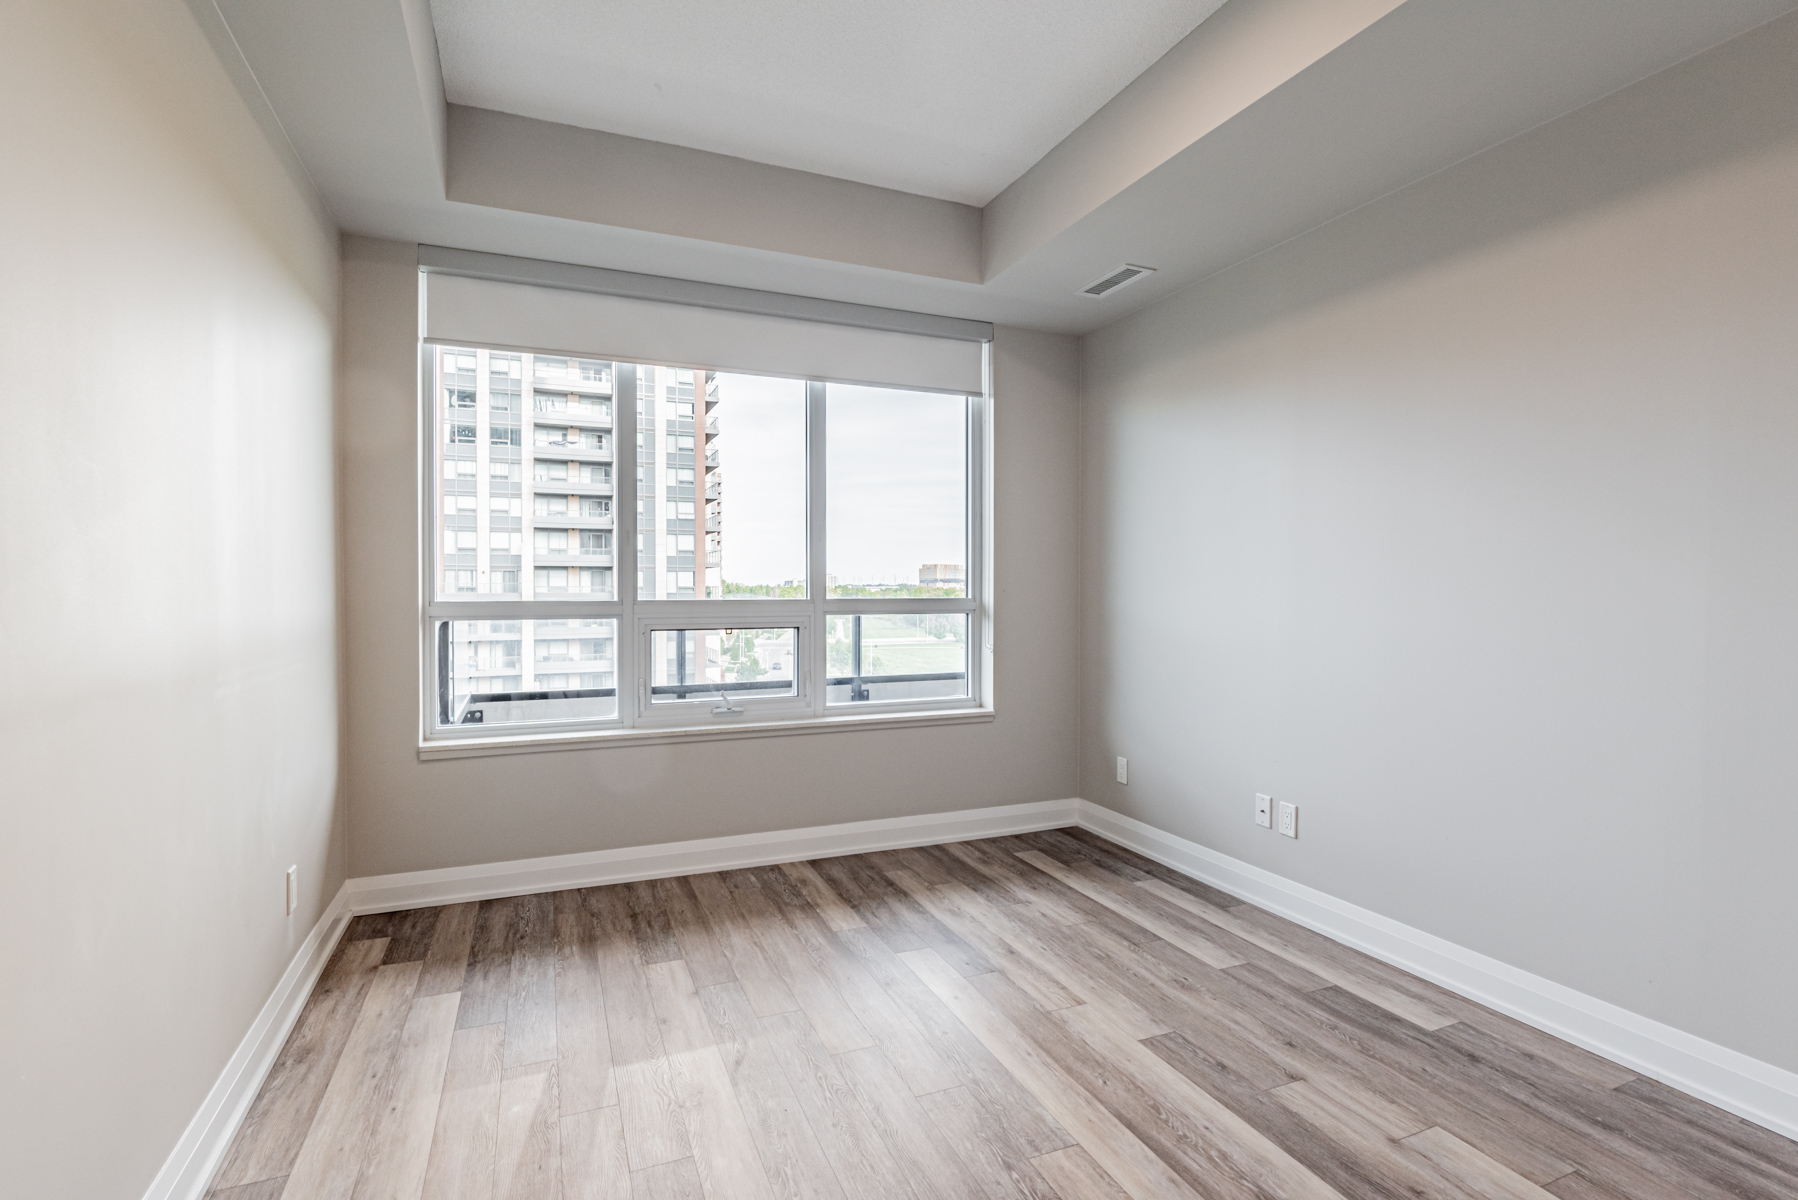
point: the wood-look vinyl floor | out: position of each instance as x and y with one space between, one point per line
1045 1017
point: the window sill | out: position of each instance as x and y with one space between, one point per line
590 740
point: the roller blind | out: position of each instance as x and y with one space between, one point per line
462 309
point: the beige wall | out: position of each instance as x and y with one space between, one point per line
167 305
1469 523
410 815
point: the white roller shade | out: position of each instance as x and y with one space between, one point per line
528 317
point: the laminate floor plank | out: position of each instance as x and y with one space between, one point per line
923 1153
466 1139
822 1005
916 1059
1578 1186
1047 981
1169 988
931 932
1154 870
400 1144
595 1165
724 1151
967 1056
1316 945
870 894
836 913
794 1160
766 988
979 1138
1310 1043
677 1180
699 943
1045 1016
1014 882
1075 1175
1618 1118
1356 1158
528 1164
583 1044
1168 1111
410 936
332 1154
1101 967
1570 1058
654 1130
531 990
1478 1175
1139 1171
1371 1161
446 961
269 1139
1133 909
864 1164
1515 1120
267 1189
652 924
1013 848
1061 845
487 979
1707 1121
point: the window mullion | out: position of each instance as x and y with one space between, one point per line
816 580
624 525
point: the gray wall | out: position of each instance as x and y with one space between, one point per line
167 594
1469 524
411 815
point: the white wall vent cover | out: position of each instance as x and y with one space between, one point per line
1117 279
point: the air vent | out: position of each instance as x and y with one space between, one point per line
1115 280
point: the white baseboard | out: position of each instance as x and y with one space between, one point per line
190 1166
1748 1087
523 877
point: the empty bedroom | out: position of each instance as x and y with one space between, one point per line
796 600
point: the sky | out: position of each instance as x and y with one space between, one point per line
895 468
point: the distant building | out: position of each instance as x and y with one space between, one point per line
942 575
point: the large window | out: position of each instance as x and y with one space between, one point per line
650 546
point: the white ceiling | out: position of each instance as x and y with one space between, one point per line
945 98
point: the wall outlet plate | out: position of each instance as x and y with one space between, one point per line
293 889
1289 819
1264 815
1123 769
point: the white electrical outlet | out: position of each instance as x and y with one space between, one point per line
1289 819
1123 769
293 889
1264 816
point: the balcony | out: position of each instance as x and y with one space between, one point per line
548 416
571 454
572 487
575 558
572 521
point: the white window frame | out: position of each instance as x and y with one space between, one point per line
635 720
703 712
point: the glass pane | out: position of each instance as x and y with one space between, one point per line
525 505
733 664
511 672
720 485
896 473
913 656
